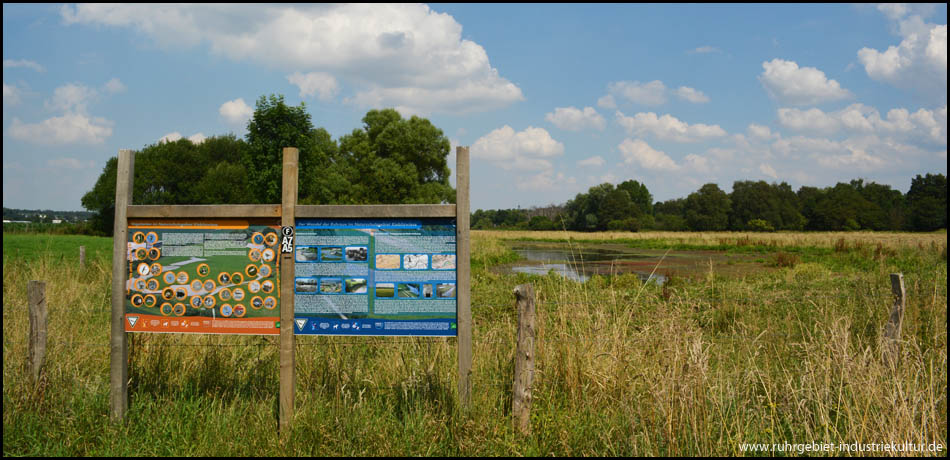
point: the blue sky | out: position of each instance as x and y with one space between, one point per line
552 99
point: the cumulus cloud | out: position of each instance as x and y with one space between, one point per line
594 161
236 112
14 63
788 83
768 170
11 95
639 152
71 97
320 84
114 86
705 50
668 127
546 181
759 132
919 61
67 129
524 150
652 93
395 55
574 119
927 125
692 95
607 102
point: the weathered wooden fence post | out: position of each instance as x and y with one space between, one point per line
892 330
524 359
463 275
36 296
119 344
286 260
82 257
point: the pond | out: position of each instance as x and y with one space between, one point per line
579 262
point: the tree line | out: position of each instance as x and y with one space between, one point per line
751 206
388 160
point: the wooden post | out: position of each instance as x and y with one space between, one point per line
119 347
36 296
524 360
287 366
463 275
892 330
82 257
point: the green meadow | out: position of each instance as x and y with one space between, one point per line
703 364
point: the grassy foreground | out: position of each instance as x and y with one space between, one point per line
696 367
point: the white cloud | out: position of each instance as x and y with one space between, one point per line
197 138
768 170
175 136
114 86
68 129
705 50
524 150
652 93
638 151
574 119
320 84
928 125
788 83
607 102
72 97
593 161
11 63
236 112
759 132
11 95
668 127
545 181
918 62
394 55
692 95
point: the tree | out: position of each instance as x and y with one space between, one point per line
775 204
707 209
639 195
927 202
276 125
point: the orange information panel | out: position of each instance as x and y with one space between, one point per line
203 276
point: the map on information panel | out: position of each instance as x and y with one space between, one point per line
375 277
207 276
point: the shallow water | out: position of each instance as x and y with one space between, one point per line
578 265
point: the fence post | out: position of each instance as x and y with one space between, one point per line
119 344
463 275
892 330
36 296
82 257
524 359
286 260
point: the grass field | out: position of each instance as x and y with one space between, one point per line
697 366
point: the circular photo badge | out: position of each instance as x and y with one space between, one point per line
196 301
209 286
138 237
179 309
224 278
265 271
156 269
238 295
150 301
196 285
168 293
226 310
257 239
237 278
270 303
239 311
166 309
169 277
267 286
251 270
152 284
139 285
254 286
270 239
267 255
138 300
154 253
257 303
224 294
142 269
254 254
182 277
151 237
141 254
203 270
209 301
181 294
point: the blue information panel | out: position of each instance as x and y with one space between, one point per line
375 277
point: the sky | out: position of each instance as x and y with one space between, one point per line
552 99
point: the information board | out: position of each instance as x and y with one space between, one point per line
375 277
203 276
